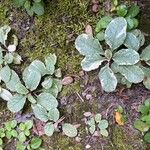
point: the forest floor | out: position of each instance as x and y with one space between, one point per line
55 32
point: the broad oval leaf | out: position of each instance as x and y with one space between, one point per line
147 137
146 54
5 95
133 74
5 74
35 143
50 62
69 130
133 11
140 36
146 80
14 80
126 57
38 66
49 129
47 83
132 41
141 126
40 112
104 132
16 103
103 124
92 62
47 100
4 34
107 79
53 114
21 89
87 45
31 78
115 33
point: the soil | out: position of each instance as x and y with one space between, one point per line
85 94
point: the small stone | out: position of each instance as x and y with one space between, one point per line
88 96
88 146
11 48
67 80
88 30
87 114
78 139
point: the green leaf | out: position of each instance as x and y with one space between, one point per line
69 130
87 45
31 78
22 137
27 132
22 126
38 8
21 89
19 3
141 126
47 100
92 62
103 124
29 124
20 146
38 66
144 109
17 59
133 11
133 74
98 118
35 143
146 54
100 36
147 137
53 114
8 126
13 124
49 129
47 83
108 79
104 132
108 54
146 80
40 112
126 57
16 103
14 133
130 23
139 35
132 41
92 125
122 10
31 99
1 142
50 62
103 22
5 95
5 74
14 80
115 33
4 34
8 58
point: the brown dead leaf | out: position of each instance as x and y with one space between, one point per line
118 118
67 80
88 30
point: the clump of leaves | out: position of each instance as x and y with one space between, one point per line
8 48
122 11
143 123
21 133
31 6
96 123
40 87
118 61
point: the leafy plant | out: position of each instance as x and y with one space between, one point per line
143 123
37 74
21 132
31 6
119 62
96 123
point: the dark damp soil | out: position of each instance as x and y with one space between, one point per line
56 32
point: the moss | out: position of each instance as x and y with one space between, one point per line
3 14
56 31
61 142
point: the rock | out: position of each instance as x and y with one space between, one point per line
67 80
